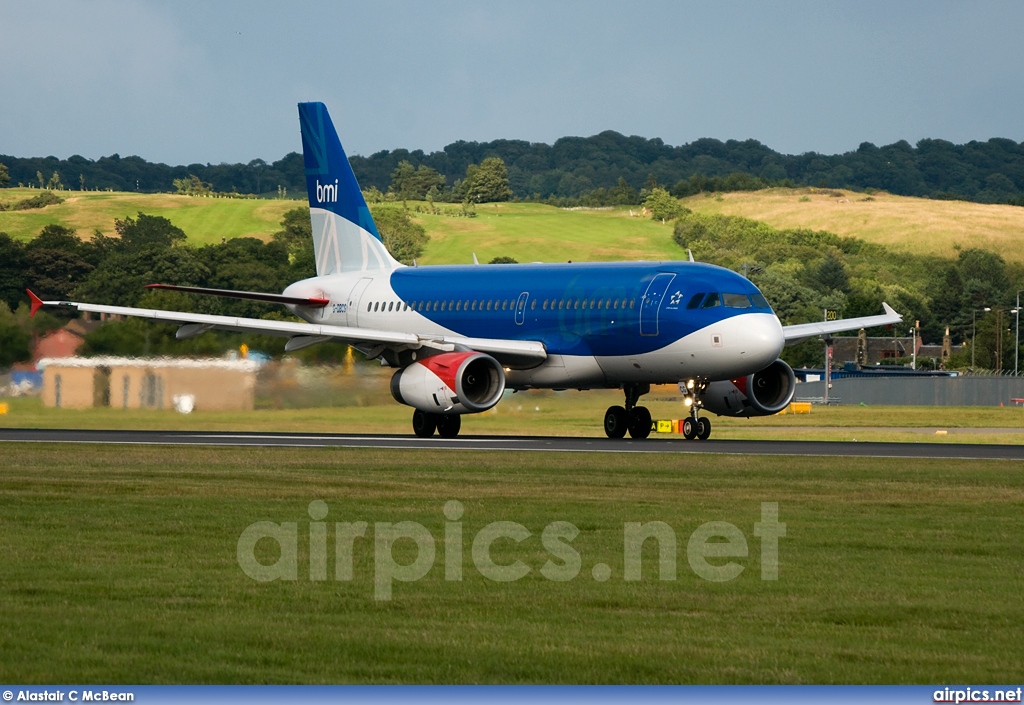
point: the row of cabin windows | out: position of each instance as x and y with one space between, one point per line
503 305
713 299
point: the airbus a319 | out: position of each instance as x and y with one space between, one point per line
459 336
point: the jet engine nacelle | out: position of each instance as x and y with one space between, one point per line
761 394
450 383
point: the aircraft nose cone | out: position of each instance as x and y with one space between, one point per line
762 337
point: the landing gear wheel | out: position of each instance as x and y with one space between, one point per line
689 429
703 428
423 424
616 421
448 426
640 422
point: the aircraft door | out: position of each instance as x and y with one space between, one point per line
521 308
354 301
651 303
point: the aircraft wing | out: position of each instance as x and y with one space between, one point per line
799 333
515 353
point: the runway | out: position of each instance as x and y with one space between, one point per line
950 451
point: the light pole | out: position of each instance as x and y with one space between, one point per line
974 331
913 349
1016 347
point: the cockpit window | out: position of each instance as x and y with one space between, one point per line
759 301
736 300
712 300
695 301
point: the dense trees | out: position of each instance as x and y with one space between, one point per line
404 239
408 182
607 169
486 182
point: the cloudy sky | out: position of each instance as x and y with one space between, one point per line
183 82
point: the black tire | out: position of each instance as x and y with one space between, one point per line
423 424
448 426
616 422
689 429
703 428
640 422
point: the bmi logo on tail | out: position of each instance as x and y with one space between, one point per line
326 193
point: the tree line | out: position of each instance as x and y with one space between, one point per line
605 169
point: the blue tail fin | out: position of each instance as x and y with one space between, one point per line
345 238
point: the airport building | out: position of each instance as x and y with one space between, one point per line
159 383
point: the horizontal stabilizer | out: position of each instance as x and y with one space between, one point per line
251 295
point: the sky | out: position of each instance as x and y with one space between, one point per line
182 81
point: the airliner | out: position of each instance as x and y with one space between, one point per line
459 336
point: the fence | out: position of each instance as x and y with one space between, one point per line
920 391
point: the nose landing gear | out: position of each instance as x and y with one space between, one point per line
696 426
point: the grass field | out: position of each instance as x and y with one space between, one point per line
917 225
577 414
539 233
204 220
120 566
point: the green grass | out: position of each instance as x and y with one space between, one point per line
540 413
539 233
204 220
120 566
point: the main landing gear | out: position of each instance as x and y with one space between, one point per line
446 425
632 418
636 420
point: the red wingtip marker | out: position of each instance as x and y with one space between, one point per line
37 303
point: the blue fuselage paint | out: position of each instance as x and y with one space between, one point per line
600 309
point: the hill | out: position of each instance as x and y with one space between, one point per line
916 225
205 220
537 232
532 232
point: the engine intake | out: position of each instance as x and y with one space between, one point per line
450 383
763 393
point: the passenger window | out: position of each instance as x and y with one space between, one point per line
632 303
533 305
695 301
391 306
736 300
712 300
